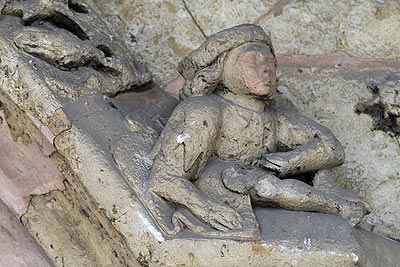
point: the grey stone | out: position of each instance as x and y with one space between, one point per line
371 155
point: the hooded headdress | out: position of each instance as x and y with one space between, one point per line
202 68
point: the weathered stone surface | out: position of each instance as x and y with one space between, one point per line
99 125
59 221
221 15
368 29
372 156
17 247
381 251
70 233
20 163
363 28
99 128
41 54
164 32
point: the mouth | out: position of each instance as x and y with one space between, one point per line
262 97
265 97
269 90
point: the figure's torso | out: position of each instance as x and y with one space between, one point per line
245 134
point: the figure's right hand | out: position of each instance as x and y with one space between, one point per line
221 217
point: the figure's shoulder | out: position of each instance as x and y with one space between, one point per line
199 110
209 105
210 100
282 113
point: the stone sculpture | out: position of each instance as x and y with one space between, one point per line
142 189
224 146
222 149
72 48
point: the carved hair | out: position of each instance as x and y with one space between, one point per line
203 67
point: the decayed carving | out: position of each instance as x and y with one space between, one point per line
71 47
224 147
222 150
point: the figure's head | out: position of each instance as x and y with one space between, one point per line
250 69
241 58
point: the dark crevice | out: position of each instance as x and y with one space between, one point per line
101 68
79 8
134 88
307 178
76 66
106 50
381 118
60 20
112 105
68 24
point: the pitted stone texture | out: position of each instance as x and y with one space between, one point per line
99 128
364 28
71 37
370 29
63 226
372 156
224 14
164 30
42 64
19 163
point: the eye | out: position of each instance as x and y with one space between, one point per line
264 70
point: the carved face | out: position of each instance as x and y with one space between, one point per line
252 68
257 66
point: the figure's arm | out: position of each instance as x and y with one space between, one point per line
185 146
309 146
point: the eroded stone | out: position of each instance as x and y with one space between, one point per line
164 30
64 226
17 247
119 138
363 28
220 15
372 176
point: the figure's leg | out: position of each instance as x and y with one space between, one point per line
265 188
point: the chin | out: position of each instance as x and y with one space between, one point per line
264 90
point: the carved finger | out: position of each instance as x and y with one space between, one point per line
270 165
219 226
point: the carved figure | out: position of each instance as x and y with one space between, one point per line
224 141
223 149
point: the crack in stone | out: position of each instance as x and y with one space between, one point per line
194 19
275 11
32 196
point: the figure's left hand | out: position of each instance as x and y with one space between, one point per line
276 162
